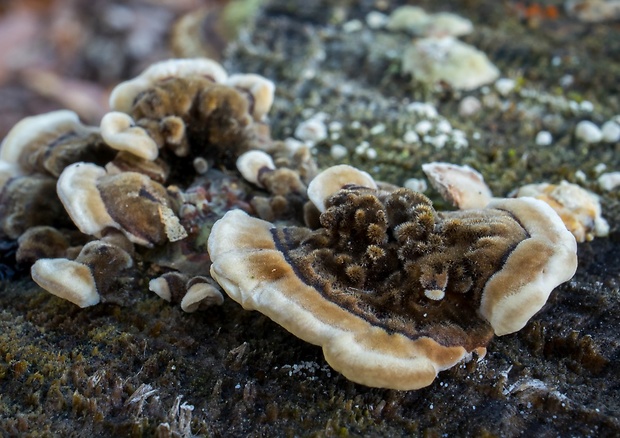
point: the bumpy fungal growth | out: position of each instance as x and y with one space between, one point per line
130 202
191 108
391 289
124 95
285 186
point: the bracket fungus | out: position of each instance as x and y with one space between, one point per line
130 202
100 273
191 107
123 96
393 291
579 209
27 201
193 293
462 186
252 164
284 184
333 179
260 90
120 132
49 142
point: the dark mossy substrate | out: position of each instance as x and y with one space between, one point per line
71 372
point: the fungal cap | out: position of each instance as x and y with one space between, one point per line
579 209
463 186
32 128
170 286
119 132
547 258
333 179
201 295
67 279
261 89
250 164
124 94
78 192
161 287
254 272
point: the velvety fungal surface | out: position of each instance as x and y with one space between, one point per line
391 260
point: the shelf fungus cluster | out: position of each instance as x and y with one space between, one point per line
182 183
87 203
392 290
464 187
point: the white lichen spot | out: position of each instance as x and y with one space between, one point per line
312 130
423 109
352 26
338 152
469 106
566 81
609 181
460 142
611 131
459 139
376 20
361 148
580 176
600 168
416 184
335 126
588 132
544 138
439 141
443 126
377 129
447 59
293 145
411 136
504 86
423 127
586 106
